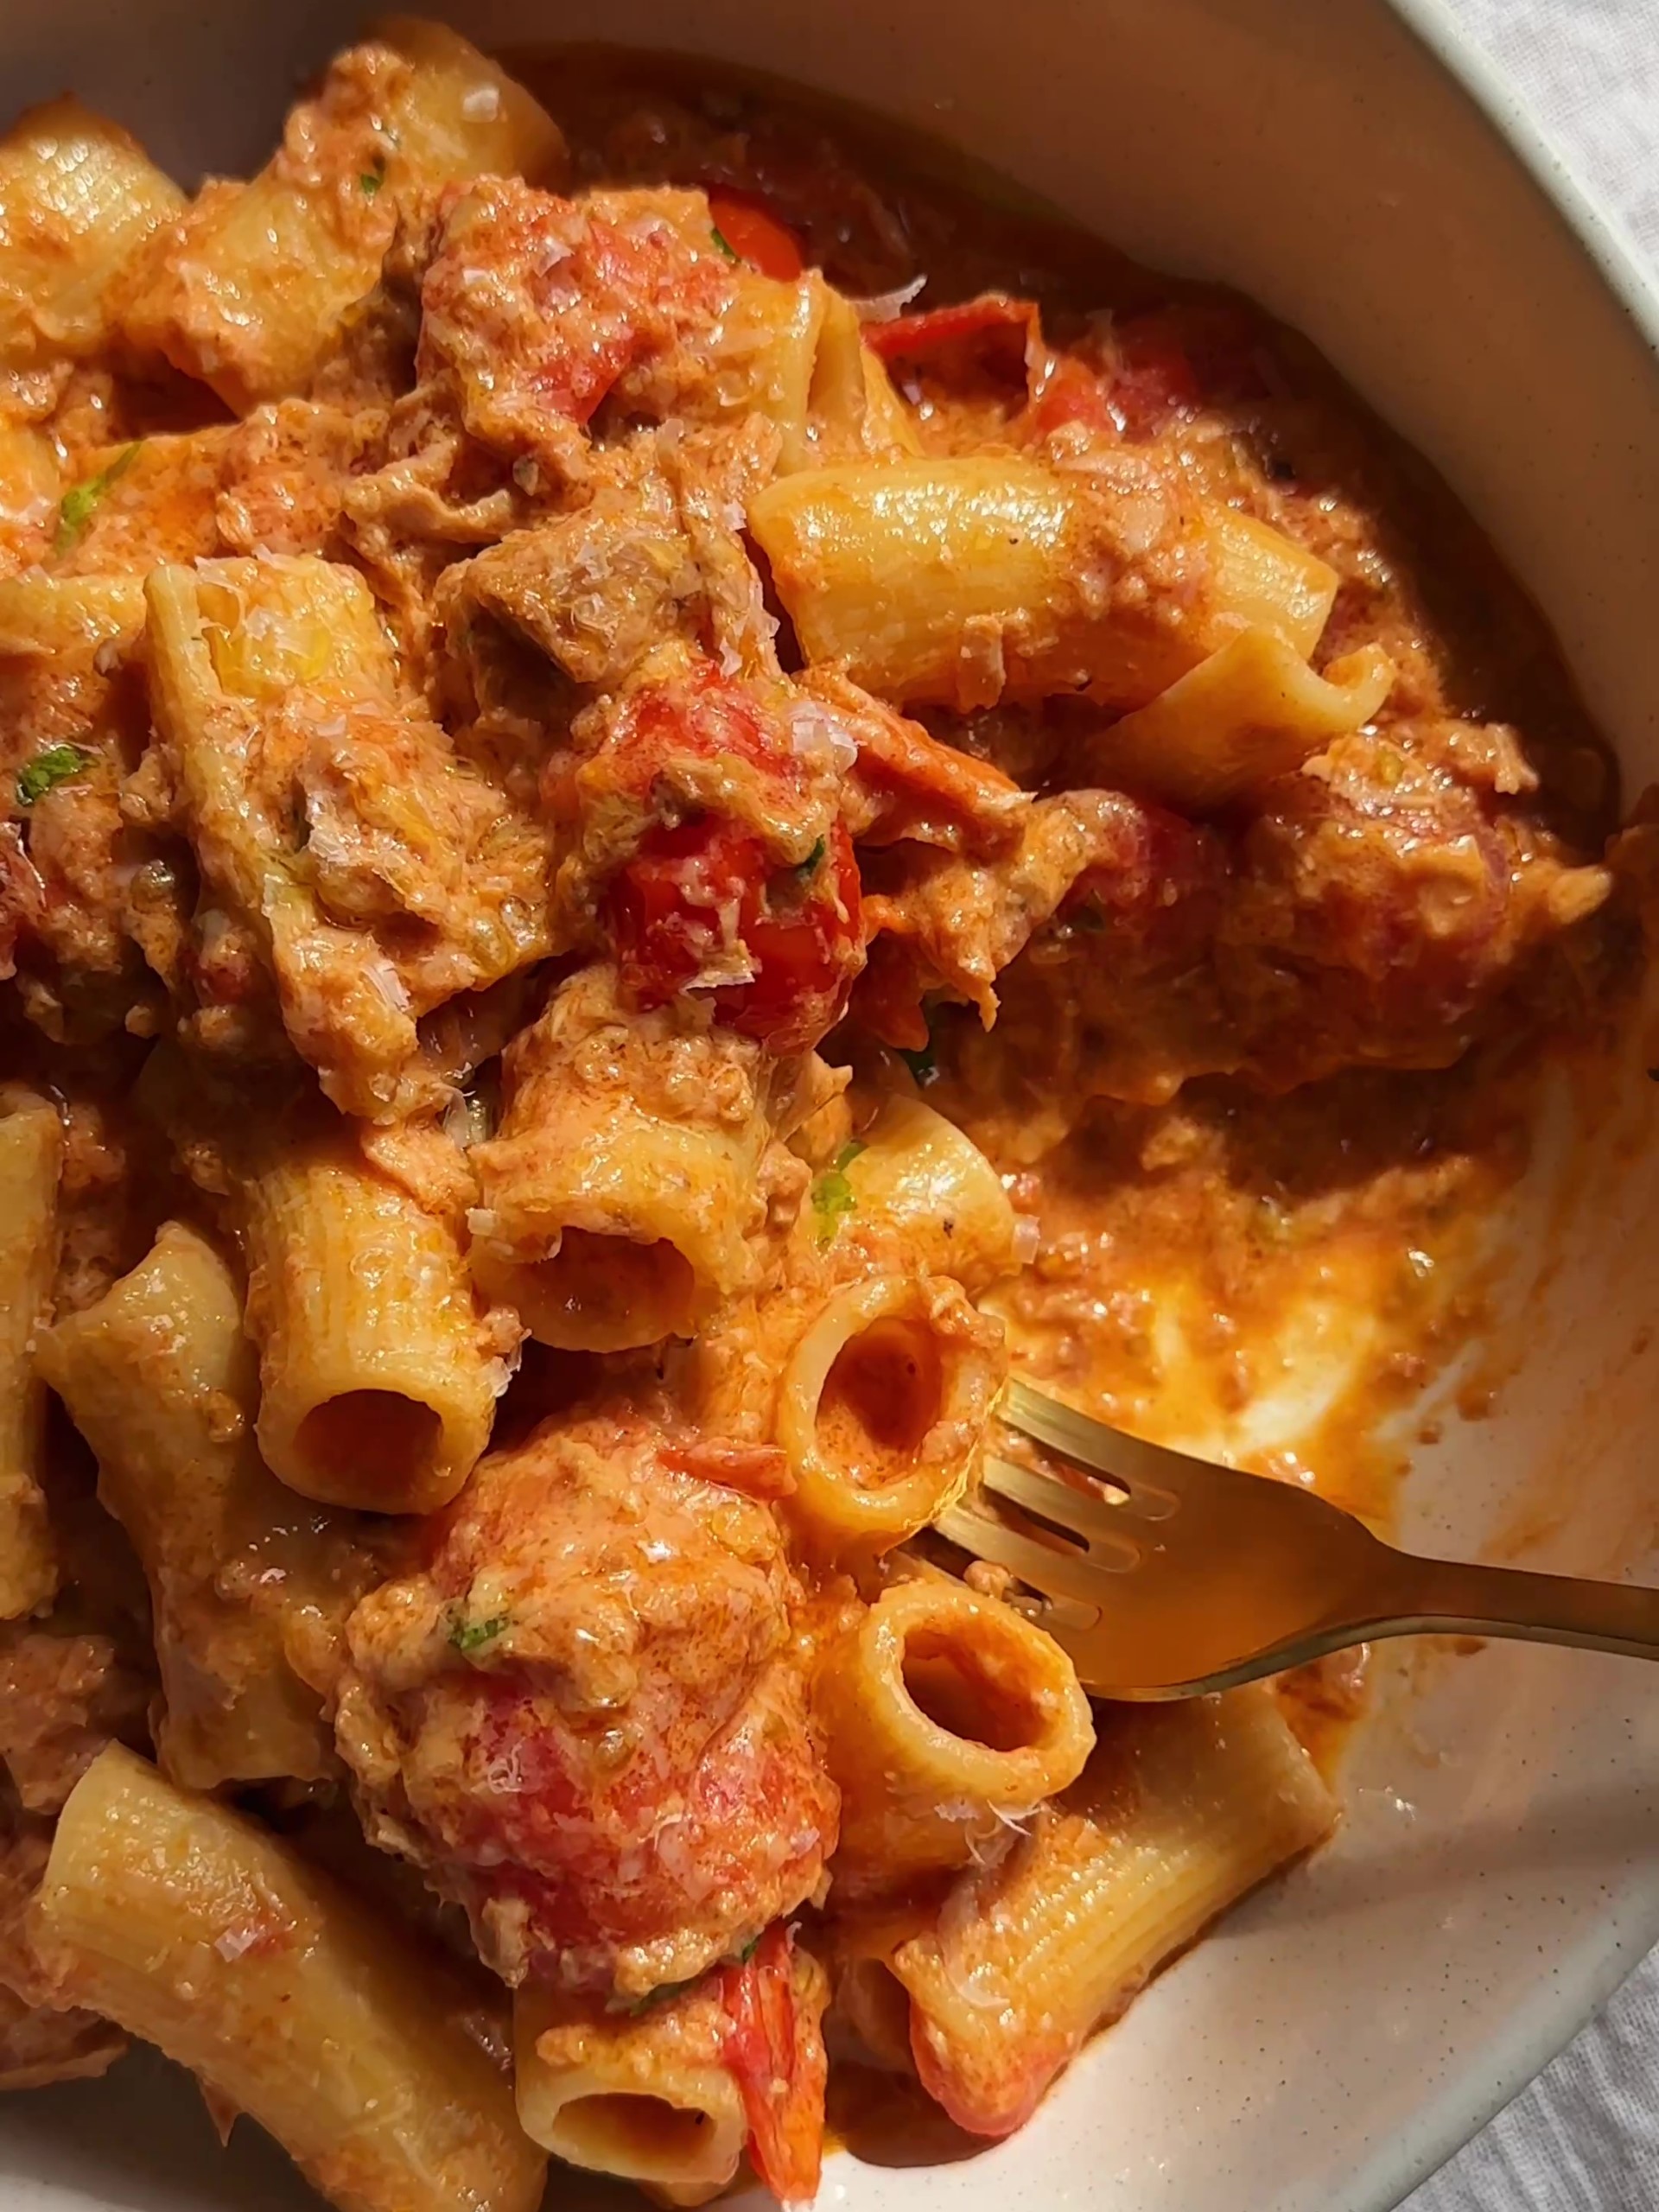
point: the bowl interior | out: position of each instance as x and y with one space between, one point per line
1495 1876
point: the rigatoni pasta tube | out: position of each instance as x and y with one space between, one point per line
290 1999
968 579
1182 1810
646 2096
78 199
377 1386
31 1159
1253 711
920 1179
619 1197
944 1714
882 1407
250 287
161 1382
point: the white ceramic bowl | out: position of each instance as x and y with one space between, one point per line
1354 169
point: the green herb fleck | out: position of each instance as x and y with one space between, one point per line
813 862
76 508
832 1194
1088 917
723 243
469 1635
370 180
55 766
922 1065
748 1950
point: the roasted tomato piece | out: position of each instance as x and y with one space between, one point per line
584 1714
995 324
755 235
774 2052
701 900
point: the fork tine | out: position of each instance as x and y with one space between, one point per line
1057 1574
1050 1500
1122 1459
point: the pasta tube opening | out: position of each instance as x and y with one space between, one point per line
371 1441
883 1406
647 2097
599 1293
945 1713
620 1195
620 2132
377 1382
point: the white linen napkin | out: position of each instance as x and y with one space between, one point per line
1584 2136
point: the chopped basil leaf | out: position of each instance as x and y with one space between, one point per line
469 1636
813 861
76 508
721 242
370 181
832 1194
922 1065
55 766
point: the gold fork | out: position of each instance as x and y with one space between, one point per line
1164 1576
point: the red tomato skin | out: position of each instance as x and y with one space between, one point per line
755 235
912 337
674 904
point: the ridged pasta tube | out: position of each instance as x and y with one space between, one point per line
945 1715
882 1408
644 2096
161 1382
1182 1810
985 577
1253 711
291 1999
620 1195
377 1387
31 1159
921 1181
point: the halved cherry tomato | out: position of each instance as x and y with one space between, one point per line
698 891
755 235
774 2052
914 337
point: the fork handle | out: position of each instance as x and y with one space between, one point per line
1443 1597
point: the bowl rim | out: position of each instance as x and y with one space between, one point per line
1601 1963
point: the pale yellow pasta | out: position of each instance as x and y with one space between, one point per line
1182 1810
881 1410
31 1159
1254 710
987 577
946 1714
78 199
855 411
162 1383
30 479
44 617
644 2096
1261 579
250 291
378 1385
226 638
618 1201
769 344
293 2000
921 1180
